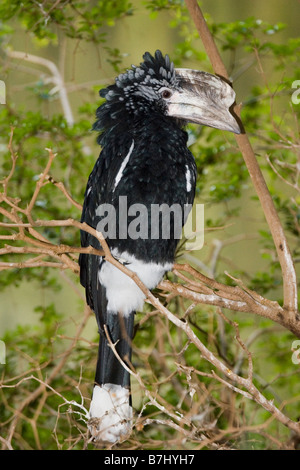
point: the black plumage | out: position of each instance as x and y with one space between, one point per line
144 162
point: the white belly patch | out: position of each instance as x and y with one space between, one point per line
122 293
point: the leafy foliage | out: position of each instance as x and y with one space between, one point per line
77 19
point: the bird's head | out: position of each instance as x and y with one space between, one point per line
183 94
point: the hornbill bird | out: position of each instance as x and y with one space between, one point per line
144 163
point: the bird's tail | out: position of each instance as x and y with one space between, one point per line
111 411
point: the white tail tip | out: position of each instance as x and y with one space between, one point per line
110 413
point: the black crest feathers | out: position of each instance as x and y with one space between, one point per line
134 91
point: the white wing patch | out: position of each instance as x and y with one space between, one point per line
123 166
188 177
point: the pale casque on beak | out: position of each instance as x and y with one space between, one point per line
203 98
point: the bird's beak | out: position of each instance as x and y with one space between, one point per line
203 98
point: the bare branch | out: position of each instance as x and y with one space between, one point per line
57 78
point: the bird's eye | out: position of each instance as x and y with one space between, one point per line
165 93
